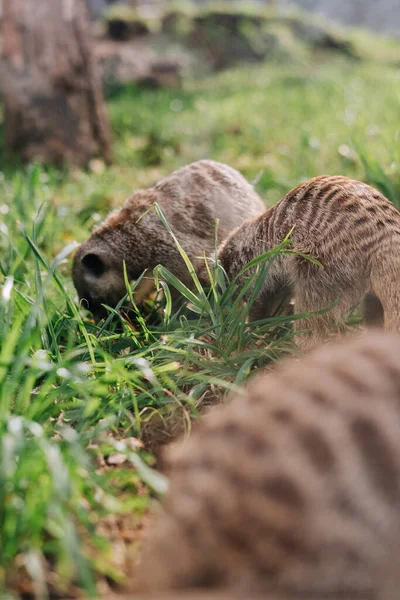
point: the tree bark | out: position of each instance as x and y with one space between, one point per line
54 105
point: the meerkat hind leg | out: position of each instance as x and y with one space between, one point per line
385 282
373 311
309 297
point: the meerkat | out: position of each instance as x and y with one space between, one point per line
188 595
192 199
293 489
354 233
218 595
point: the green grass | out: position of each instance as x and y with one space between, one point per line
71 391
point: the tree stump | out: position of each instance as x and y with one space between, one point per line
53 98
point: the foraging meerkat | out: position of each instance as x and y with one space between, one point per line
191 199
293 490
351 229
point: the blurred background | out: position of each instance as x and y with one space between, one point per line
282 90
381 15
131 89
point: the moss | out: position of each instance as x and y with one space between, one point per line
228 33
124 23
223 34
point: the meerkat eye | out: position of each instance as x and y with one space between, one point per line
93 264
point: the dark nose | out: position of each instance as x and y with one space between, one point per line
93 264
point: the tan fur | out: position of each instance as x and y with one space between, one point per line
352 229
207 595
192 200
187 596
292 491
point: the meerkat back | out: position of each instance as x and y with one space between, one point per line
293 489
353 232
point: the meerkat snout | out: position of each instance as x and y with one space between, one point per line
99 280
90 282
93 264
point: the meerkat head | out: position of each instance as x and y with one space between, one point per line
125 240
98 276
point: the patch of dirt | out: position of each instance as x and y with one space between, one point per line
162 428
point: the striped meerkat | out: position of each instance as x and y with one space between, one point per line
353 231
192 199
218 595
293 490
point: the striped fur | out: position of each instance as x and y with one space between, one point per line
352 229
188 596
192 199
292 490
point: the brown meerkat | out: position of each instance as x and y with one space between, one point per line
185 595
292 490
351 229
192 199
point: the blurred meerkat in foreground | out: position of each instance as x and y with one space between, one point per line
292 491
217 595
192 199
351 229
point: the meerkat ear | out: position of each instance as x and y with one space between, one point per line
93 264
